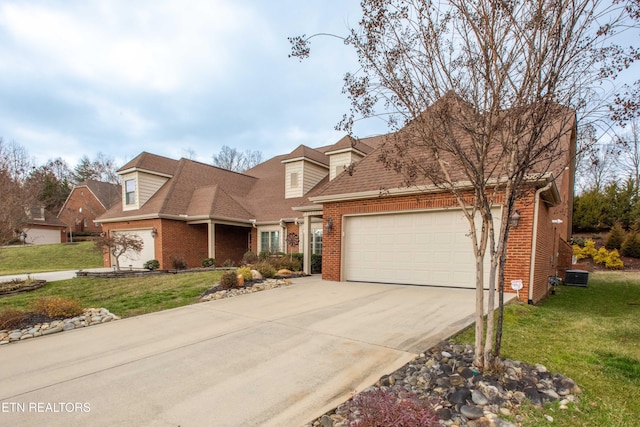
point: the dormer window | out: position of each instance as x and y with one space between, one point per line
130 191
294 180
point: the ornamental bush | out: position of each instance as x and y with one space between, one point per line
266 270
11 317
631 245
589 250
208 262
246 273
249 257
152 264
229 279
57 307
613 261
615 237
601 256
379 408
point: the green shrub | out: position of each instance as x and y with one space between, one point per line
613 261
250 257
265 269
229 263
601 256
208 262
631 245
578 241
316 264
615 237
57 307
298 257
246 273
11 318
152 264
284 262
229 279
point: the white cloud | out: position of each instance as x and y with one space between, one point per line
149 45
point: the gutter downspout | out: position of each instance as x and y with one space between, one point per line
534 238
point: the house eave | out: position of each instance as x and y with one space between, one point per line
431 188
306 159
136 169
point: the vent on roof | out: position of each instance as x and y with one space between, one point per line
576 278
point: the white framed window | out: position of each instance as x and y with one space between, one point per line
293 180
270 241
316 241
130 192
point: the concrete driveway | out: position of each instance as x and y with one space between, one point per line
275 358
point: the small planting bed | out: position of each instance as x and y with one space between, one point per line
18 286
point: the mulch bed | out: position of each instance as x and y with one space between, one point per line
18 286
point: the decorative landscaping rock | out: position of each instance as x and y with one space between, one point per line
461 396
256 275
90 316
254 287
284 272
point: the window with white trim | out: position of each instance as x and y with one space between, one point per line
130 192
270 241
294 180
316 241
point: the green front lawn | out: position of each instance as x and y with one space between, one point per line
39 258
125 297
591 335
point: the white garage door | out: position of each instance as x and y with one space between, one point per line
424 248
43 236
133 259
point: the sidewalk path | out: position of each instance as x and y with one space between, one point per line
51 276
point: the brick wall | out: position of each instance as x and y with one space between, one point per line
231 243
518 248
181 241
81 197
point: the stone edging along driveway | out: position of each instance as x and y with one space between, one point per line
96 316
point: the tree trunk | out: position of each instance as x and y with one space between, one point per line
479 347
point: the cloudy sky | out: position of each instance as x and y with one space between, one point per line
79 77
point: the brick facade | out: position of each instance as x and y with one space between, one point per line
231 243
81 198
518 248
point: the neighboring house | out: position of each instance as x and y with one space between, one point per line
365 223
87 201
43 228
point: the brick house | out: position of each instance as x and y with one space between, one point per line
87 201
186 210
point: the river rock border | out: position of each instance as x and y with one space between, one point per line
89 317
462 397
96 316
254 287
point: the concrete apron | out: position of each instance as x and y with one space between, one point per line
275 358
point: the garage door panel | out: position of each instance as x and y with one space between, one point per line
148 251
425 248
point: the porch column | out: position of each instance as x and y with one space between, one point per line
211 239
306 259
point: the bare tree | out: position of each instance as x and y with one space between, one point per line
481 93
101 168
629 158
15 166
118 244
237 161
